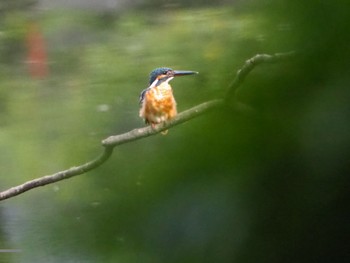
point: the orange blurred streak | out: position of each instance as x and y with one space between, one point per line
36 56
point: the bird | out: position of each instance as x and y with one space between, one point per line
157 102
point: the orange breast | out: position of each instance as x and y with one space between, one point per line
159 105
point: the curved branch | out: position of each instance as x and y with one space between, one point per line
182 117
109 144
136 134
249 65
49 179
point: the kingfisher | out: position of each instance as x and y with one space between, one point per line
157 101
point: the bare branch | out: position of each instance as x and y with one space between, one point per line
136 134
184 116
249 65
109 144
49 179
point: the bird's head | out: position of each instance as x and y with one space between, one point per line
166 74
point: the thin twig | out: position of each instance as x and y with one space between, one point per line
249 65
136 134
109 144
184 116
49 179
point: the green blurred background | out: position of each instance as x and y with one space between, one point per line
225 187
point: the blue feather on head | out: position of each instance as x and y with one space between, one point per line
158 71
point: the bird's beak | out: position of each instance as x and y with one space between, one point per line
183 73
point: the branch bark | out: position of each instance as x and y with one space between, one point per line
136 134
109 144
249 65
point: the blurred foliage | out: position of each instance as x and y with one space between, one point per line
224 187
13 17
12 38
160 4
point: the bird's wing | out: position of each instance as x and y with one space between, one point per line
142 95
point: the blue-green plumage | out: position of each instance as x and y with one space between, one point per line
152 77
157 72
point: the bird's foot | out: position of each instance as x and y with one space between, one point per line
156 125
